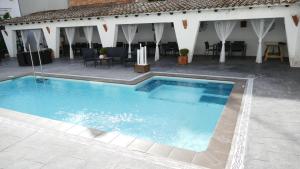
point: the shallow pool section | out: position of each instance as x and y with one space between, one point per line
178 112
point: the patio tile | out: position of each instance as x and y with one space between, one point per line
182 155
63 126
76 129
223 135
8 140
63 162
140 145
91 133
24 164
276 87
204 160
122 140
160 150
107 137
219 146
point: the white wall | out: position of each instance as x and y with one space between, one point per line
145 33
184 36
242 34
80 37
31 6
11 6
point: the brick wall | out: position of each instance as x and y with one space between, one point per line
89 2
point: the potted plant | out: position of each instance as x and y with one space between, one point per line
183 58
103 52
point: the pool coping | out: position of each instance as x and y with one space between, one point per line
219 149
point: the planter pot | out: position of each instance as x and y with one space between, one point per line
183 60
141 68
102 56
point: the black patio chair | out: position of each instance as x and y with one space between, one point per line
130 61
134 47
151 49
238 46
89 55
172 48
208 48
120 44
97 46
143 43
218 48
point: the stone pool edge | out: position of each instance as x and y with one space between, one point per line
218 151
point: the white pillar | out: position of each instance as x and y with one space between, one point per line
108 33
187 37
52 36
10 40
293 40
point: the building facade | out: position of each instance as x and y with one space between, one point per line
73 3
188 23
11 7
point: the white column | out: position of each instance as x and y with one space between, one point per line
109 36
53 39
186 38
293 40
10 40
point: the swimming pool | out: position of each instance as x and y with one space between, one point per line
178 112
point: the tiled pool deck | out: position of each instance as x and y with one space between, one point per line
216 155
268 141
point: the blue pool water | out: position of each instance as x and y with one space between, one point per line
173 111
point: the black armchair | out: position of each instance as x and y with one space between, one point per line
117 54
89 55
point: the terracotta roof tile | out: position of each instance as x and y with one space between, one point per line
142 7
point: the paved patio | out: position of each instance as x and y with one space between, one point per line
273 138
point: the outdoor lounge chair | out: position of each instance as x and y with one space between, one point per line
89 55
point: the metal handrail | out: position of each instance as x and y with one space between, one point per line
33 69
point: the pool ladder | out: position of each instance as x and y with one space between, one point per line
33 68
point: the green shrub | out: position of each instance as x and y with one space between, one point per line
103 51
184 52
6 16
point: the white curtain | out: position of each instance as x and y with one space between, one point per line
159 30
88 32
24 36
129 33
261 28
37 36
224 29
70 32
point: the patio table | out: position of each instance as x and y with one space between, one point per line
107 60
273 50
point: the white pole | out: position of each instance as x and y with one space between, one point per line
138 56
142 55
145 55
